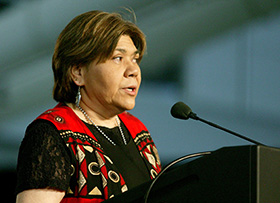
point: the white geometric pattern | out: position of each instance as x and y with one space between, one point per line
89 148
81 181
108 159
80 155
95 191
104 181
99 159
149 147
70 191
151 159
124 189
156 154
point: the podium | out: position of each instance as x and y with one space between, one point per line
231 174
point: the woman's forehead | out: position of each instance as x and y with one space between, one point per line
125 45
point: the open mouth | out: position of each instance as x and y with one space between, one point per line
131 89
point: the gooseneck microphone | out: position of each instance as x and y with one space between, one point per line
182 111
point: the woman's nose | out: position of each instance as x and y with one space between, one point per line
132 69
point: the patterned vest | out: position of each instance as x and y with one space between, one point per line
94 177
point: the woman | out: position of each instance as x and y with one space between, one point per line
88 148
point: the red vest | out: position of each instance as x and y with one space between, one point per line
94 176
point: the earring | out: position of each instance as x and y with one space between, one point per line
78 97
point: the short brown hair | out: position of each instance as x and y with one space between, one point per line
91 36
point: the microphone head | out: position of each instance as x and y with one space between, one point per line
181 111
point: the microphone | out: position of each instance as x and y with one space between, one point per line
182 111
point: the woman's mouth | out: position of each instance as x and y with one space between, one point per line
130 90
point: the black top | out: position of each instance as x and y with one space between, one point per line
44 160
125 157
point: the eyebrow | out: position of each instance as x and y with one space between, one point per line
124 51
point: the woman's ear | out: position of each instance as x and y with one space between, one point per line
76 75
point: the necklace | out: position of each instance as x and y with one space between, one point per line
108 138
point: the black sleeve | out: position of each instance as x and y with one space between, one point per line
43 160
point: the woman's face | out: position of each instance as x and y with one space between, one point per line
114 84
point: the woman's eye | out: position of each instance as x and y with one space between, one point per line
117 58
135 60
120 59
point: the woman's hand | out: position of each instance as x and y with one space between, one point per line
40 196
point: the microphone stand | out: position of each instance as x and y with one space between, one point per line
195 117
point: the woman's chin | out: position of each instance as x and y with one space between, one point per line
129 106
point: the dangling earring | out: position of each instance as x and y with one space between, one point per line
78 97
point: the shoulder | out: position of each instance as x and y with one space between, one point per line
41 134
127 117
40 126
40 130
133 124
56 114
37 135
62 117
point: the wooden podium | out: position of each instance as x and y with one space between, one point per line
230 174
